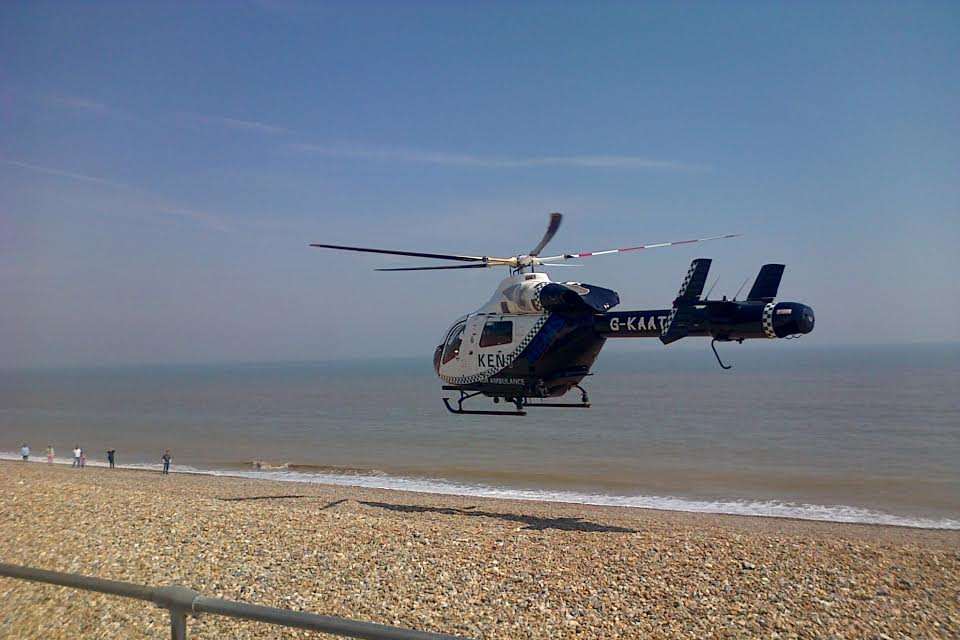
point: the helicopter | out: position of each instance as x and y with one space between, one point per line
536 339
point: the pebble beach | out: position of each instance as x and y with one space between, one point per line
474 567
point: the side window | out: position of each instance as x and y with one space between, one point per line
452 348
495 333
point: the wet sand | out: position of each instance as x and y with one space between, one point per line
471 566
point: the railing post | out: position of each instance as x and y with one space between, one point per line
178 624
179 602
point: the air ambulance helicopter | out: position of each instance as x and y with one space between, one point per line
537 339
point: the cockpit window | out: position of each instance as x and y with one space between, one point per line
496 333
452 348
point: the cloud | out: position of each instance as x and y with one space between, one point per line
144 200
439 158
283 6
211 220
496 162
243 125
64 174
80 104
610 162
85 105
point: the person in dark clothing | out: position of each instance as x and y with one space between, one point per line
111 457
166 457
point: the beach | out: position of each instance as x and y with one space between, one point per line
471 566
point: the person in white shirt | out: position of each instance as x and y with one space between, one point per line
77 452
25 452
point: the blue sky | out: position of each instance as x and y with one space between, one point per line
163 166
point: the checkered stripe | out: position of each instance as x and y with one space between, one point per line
666 327
686 281
683 287
483 375
767 321
536 296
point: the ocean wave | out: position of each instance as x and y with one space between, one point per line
379 480
268 465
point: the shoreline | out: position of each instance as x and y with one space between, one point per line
480 567
838 513
245 483
225 481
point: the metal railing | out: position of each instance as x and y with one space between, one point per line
181 602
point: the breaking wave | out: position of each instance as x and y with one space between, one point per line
372 479
268 466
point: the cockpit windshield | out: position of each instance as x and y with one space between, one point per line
452 347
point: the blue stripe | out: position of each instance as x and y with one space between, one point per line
544 338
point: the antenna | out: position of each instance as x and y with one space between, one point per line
741 288
710 290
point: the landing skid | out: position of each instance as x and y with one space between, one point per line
460 411
559 405
583 404
521 403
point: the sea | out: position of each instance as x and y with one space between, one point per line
865 434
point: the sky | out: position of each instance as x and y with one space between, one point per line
164 166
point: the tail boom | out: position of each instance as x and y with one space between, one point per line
721 320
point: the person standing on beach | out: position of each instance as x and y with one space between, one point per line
25 452
83 458
50 454
77 451
166 457
111 457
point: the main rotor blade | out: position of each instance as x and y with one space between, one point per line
415 254
555 220
657 245
455 266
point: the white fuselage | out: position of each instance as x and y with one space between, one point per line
489 340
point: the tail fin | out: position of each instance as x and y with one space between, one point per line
768 281
693 284
678 324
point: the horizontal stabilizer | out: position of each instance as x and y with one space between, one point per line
765 287
693 284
